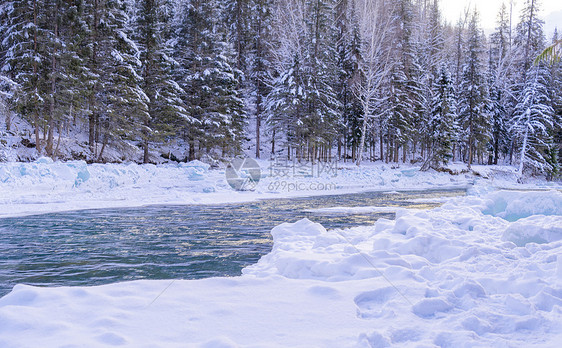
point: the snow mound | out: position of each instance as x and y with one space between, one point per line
515 205
534 229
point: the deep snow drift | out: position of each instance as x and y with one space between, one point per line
482 270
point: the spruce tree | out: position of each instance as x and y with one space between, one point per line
443 117
205 71
534 122
349 76
499 76
529 38
474 119
25 59
260 61
286 104
166 111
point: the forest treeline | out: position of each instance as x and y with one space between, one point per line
358 79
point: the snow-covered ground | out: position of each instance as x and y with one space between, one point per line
483 270
45 186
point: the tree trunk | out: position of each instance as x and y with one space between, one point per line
53 85
100 157
363 132
259 53
454 150
49 147
496 148
92 133
145 152
36 112
58 142
470 151
93 110
273 143
382 146
258 126
523 149
37 136
191 150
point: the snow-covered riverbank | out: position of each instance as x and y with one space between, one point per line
44 186
482 270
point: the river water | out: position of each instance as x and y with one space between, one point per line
102 246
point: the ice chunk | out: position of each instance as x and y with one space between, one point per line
515 205
44 160
534 229
195 164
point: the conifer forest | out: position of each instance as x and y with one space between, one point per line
358 80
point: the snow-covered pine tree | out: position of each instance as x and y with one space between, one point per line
187 45
323 114
285 105
25 59
237 15
442 125
405 97
555 83
473 99
117 105
68 67
75 84
260 61
306 69
529 38
205 71
433 40
166 111
348 41
459 49
500 74
500 45
534 122
63 69
7 88
399 111
497 112
226 117
125 104
428 40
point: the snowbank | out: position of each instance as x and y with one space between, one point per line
458 275
46 186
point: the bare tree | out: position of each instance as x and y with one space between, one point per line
375 22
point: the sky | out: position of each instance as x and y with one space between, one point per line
488 9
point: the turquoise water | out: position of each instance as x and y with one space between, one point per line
92 247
